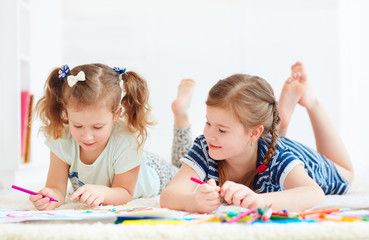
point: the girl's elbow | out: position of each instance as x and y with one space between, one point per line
164 201
320 196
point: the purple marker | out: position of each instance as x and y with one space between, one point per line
31 192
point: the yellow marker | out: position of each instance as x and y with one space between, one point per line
152 222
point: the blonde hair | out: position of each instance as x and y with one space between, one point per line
251 100
102 86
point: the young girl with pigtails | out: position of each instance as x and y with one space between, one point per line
95 120
241 158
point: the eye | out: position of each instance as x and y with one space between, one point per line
99 127
207 123
221 131
77 126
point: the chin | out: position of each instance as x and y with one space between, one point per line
216 156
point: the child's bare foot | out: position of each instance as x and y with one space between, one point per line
182 102
308 97
299 67
292 92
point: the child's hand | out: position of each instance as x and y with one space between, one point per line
43 203
207 197
89 194
240 195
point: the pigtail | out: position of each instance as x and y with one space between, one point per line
50 107
136 105
274 133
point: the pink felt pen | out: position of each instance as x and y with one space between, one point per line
197 180
31 192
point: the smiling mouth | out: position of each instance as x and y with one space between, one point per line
213 147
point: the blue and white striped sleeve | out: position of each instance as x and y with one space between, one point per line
196 159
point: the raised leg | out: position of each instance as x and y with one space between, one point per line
327 139
182 135
292 91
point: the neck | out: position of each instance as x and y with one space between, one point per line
238 168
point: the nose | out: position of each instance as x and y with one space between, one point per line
87 135
209 133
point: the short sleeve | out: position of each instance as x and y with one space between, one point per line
196 159
199 160
285 163
64 148
123 152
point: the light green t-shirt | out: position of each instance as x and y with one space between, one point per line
120 155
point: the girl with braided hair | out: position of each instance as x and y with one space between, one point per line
242 159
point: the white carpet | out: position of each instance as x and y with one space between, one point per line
358 197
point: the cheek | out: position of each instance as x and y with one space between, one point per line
103 134
205 131
74 132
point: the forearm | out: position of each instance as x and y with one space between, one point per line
116 196
177 200
295 199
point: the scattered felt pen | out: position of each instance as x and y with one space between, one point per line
322 210
241 215
267 213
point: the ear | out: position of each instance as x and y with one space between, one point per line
256 132
117 113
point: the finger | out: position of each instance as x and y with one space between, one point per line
212 196
42 205
90 200
84 197
238 197
225 188
77 193
228 195
42 202
50 206
206 188
96 202
212 182
34 198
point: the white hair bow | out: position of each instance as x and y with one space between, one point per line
74 79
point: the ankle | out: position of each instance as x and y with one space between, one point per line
313 106
181 121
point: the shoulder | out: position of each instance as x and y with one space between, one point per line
64 147
64 140
122 143
200 145
121 135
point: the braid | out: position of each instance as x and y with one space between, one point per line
274 132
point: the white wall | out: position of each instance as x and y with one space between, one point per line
354 52
46 52
208 40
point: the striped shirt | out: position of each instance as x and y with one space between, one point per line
288 155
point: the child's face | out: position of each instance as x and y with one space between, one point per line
91 127
225 135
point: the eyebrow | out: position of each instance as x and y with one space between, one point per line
219 125
76 123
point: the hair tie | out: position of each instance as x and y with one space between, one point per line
261 168
72 80
120 70
63 72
